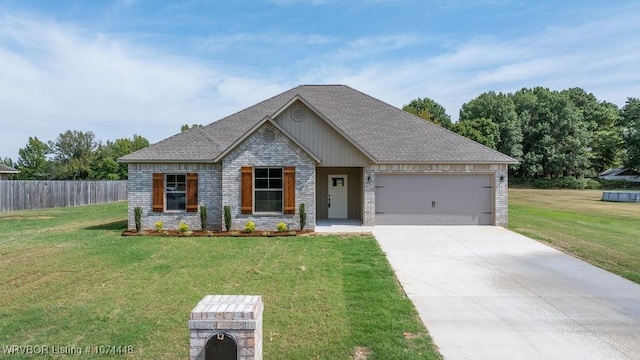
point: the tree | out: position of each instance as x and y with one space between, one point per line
631 132
186 127
556 139
482 130
603 121
105 164
73 153
429 110
32 160
8 162
500 109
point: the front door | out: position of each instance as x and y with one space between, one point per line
338 196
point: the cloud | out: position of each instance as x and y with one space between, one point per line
54 78
599 56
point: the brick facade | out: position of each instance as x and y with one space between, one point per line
219 184
209 195
256 152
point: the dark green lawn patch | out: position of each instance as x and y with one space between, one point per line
68 278
605 234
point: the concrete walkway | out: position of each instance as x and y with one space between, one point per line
341 226
487 293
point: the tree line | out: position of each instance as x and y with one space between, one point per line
551 133
74 155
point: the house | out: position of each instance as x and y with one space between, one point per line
5 171
342 153
620 174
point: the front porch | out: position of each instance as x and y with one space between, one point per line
333 226
339 195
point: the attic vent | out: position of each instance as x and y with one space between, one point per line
298 114
268 136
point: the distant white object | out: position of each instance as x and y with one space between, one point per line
620 174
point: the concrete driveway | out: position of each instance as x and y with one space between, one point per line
487 293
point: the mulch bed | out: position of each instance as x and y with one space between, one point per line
200 233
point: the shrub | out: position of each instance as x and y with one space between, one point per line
159 225
227 218
282 227
203 217
137 213
558 183
265 233
303 216
234 233
183 227
249 227
292 233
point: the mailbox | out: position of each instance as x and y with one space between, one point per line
221 346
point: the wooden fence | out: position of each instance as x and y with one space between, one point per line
41 194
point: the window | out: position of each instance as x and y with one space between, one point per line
268 189
176 192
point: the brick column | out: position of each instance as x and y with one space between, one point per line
236 316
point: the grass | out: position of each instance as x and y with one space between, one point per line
605 234
68 279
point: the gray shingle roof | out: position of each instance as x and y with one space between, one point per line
386 133
8 169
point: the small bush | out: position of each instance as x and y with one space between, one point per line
303 216
265 233
159 225
249 227
234 233
183 227
227 218
137 213
282 227
203 217
292 233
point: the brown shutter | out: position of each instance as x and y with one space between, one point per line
246 207
289 190
192 192
158 192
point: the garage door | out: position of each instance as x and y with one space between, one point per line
433 199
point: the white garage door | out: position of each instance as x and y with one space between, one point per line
433 199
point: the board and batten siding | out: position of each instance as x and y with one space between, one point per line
320 138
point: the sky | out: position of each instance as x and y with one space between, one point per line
124 67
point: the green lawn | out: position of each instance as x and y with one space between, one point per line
605 234
69 279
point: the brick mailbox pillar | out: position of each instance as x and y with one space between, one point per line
222 324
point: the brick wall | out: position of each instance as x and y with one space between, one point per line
140 194
500 188
258 152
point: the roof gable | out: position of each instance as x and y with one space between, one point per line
267 119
